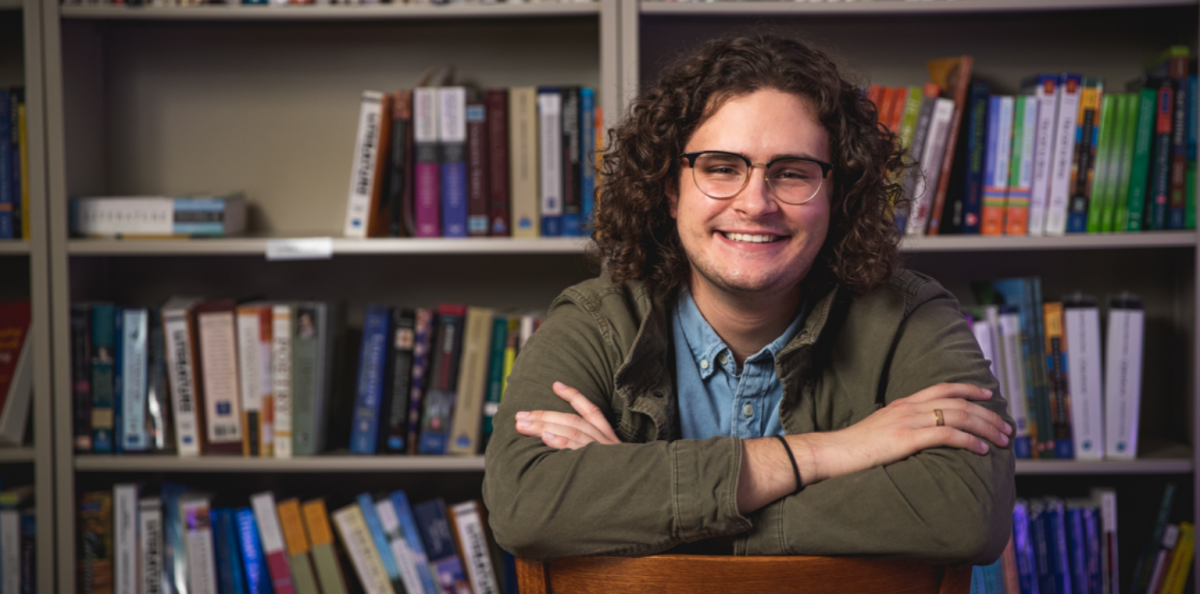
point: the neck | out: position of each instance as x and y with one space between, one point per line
748 322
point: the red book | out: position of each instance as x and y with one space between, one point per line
477 169
498 196
14 328
272 542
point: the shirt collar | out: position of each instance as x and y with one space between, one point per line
706 345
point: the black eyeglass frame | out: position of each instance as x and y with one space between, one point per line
692 156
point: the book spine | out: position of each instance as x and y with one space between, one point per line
10 551
524 162
1181 560
249 370
1123 379
1110 553
1055 517
118 382
132 432
21 170
386 512
472 383
379 537
329 569
931 162
1009 322
281 372
257 580
367 151
177 326
916 151
393 438
81 377
1076 546
1106 170
587 163
496 101
958 85
103 369
230 577
436 534
1159 571
422 351
426 173
1045 88
8 200
297 547
1081 323
1091 533
266 434
1177 209
1139 175
157 396
1020 183
1056 372
468 525
1160 178
267 520
1069 89
1040 386
151 571
201 559
452 143
95 570
310 377
495 385
1023 545
996 170
398 198
572 205
440 397
412 535
1115 216
477 169
1190 179
174 548
369 392
356 539
219 369
550 150
125 513
1083 161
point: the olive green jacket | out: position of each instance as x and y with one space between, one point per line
655 491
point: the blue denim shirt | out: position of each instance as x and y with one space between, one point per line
715 399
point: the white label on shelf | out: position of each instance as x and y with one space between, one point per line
311 248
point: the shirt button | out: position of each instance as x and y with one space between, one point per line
722 358
748 410
704 364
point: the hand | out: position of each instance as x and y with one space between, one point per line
909 425
565 430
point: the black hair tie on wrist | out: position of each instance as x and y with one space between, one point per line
795 467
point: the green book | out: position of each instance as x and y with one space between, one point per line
311 350
1135 207
1102 187
303 577
495 386
908 124
1127 110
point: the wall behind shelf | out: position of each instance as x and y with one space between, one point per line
12 48
271 108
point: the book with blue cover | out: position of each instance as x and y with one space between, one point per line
104 335
438 539
1023 547
174 553
230 577
253 559
452 152
412 534
379 537
9 201
1055 517
372 363
587 150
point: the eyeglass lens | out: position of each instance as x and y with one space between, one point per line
792 180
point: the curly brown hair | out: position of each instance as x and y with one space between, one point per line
635 236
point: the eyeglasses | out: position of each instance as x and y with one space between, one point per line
721 175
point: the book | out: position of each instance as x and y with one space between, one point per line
1025 295
254 561
216 327
1045 88
294 538
393 433
1104 183
926 98
251 367
1012 344
443 379
587 170
1084 162
1123 376
95 562
524 162
369 392
368 166
328 569
550 159
936 141
81 377
477 168
1081 325
125 541
312 377
412 536
151 571
366 505
422 353
1106 503
131 432
230 576
1020 181
360 548
1139 175
174 539
158 397
996 164
953 78
1027 571
104 358
466 422
426 170
28 554
1077 545
1143 571
496 377
572 204
267 519
194 511
1181 558
217 215
397 202
398 547
8 199
16 371
452 158
281 378
1069 91
1159 190
118 382
1057 352
467 518
179 332
436 535
498 193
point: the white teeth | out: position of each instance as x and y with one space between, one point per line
747 238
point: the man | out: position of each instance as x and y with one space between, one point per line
752 373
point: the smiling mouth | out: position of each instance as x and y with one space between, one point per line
749 238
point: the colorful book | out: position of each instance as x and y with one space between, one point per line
921 212
422 353
95 562
366 505
371 367
1083 164
258 580
953 77
426 170
254 325
81 376
231 578
495 383
1058 382
267 519
303 578
996 164
436 535
1020 180
587 170
443 381
194 511
398 547
470 532
1104 181
452 157
1160 163
393 433
412 536
466 422
397 201
16 371
103 370
572 204
320 536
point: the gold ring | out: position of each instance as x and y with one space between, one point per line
941 421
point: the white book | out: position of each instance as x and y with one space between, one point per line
1081 321
281 372
367 151
1003 153
359 546
250 370
1106 499
267 518
1064 152
991 319
10 551
523 162
1047 114
931 165
1123 378
181 363
15 414
477 559
1014 378
198 542
219 372
150 545
549 103
135 326
984 335
400 549
125 542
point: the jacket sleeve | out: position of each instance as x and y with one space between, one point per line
627 499
942 505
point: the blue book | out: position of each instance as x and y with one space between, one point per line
452 148
1043 547
509 561
968 221
103 368
587 155
439 545
16 99
372 362
253 560
28 549
977 580
990 578
375 527
1023 546
7 173
174 553
412 534
1026 295
118 390
131 431
1091 535
1055 517
230 579
1077 547
441 389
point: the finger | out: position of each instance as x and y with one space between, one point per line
559 442
992 418
574 422
533 427
590 412
954 438
951 390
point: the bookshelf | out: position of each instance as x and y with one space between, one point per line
24 266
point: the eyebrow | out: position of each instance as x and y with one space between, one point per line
773 157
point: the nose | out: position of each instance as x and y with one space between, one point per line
756 199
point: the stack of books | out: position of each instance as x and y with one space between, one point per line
14 165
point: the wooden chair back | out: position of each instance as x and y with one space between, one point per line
688 574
